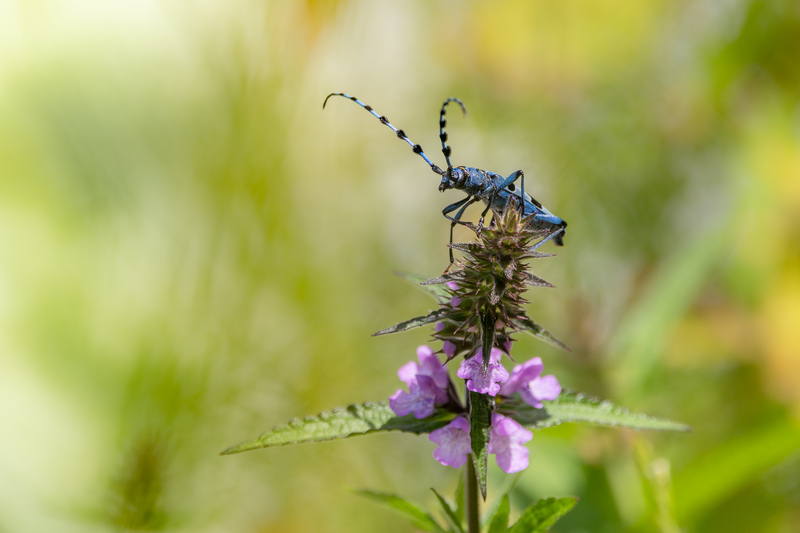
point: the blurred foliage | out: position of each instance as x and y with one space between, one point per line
193 252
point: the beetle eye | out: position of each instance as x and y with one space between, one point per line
512 187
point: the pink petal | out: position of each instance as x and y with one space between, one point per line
453 441
408 372
418 401
431 366
488 383
505 440
521 375
545 387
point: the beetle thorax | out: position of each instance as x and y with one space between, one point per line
468 179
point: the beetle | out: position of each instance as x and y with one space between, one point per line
494 190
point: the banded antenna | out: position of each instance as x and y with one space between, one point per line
446 150
417 149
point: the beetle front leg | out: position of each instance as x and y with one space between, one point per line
462 204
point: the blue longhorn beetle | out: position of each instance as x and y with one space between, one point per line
493 189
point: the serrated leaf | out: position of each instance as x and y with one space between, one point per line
541 516
498 522
533 254
480 420
536 281
470 248
576 407
420 518
449 513
441 280
526 324
342 423
433 316
440 294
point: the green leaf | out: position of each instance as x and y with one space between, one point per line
459 498
576 407
526 324
444 278
433 316
541 516
449 513
536 281
437 291
498 522
534 254
420 518
487 323
471 248
372 417
342 423
479 422
498 505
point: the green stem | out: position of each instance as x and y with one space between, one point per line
471 498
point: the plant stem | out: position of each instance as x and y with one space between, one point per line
471 498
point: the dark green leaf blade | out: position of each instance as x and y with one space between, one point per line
471 248
449 513
342 423
541 516
438 292
526 324
460 501
498 522
575 407
487 323
433 316
535 281
479 423
420 518
441 280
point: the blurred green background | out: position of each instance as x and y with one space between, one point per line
192 251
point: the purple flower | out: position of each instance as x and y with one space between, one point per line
541 388
427 385
488 383
431 366
418 400
506 441
533 387
453 441
521 375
